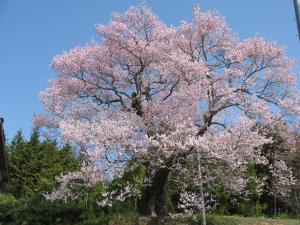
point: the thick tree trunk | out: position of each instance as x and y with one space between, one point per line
275 206
152 202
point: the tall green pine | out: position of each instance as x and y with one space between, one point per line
33 165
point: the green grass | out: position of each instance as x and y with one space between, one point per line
237 220
218 220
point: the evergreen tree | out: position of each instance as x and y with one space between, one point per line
34 164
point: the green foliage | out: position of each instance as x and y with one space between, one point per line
20 211
134 176
222 196
172 194
221 220
33 165
251 206
36 212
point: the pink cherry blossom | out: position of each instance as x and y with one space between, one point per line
168 94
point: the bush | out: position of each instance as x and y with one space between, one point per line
21 212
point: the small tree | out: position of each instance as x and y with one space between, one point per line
172 97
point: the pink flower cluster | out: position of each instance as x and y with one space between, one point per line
165 94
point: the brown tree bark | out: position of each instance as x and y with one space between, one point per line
152 202
4 178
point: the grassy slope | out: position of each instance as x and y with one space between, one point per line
235 220
219 220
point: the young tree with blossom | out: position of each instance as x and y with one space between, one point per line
169 97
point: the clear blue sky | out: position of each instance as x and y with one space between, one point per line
33 31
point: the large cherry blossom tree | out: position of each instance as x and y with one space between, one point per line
172 96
